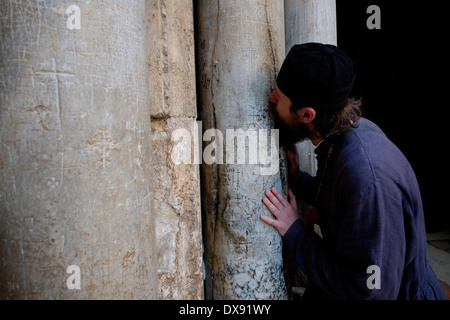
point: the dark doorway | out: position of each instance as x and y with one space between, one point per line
403 79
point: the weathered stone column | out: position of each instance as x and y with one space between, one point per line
176 185
75 185
309 21
241 47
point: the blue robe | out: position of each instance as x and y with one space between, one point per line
371 217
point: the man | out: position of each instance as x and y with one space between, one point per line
365 194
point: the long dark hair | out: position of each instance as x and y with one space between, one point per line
328 123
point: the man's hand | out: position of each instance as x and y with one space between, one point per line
293 163
285 212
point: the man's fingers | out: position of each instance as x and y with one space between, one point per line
280 197
269 220
290 155
284 213
272 208
292 158
293 148
293 163
292 199
273 200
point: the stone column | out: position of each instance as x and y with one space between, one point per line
309 21
75 187
241 48
176 185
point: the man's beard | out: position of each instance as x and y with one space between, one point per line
290 133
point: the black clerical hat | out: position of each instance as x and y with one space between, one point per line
316 75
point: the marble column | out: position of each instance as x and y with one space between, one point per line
76 218
240 50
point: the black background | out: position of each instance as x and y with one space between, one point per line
403 80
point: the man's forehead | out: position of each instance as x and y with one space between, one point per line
281 93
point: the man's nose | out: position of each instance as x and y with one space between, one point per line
274 97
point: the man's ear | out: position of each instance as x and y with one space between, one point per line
306 115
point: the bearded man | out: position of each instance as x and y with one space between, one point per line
365 194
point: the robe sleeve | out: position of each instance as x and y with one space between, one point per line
367 260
